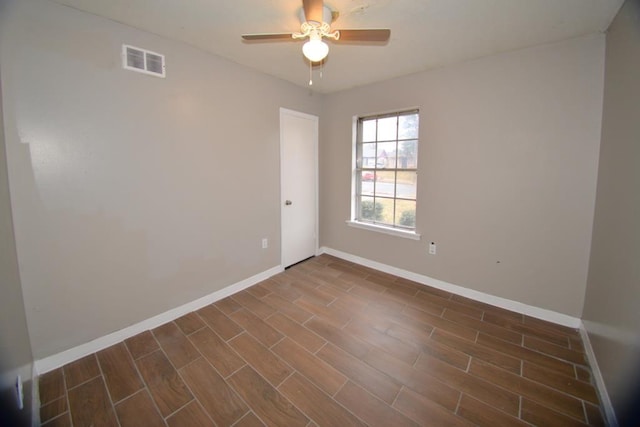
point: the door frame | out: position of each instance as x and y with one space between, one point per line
316 119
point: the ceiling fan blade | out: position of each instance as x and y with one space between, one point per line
372 35
313 10
267 36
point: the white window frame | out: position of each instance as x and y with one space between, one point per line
355 182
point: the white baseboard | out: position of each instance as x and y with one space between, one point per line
57 360
598 379
539 313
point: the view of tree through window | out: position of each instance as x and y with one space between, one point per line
387 169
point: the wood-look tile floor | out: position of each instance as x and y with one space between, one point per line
331 343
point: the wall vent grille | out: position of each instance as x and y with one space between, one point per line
143 61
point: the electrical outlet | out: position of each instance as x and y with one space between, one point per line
19 393
432 248
265 243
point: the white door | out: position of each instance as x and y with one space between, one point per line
298 185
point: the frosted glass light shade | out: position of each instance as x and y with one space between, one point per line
315 50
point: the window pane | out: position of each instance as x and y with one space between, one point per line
366 183
368 130
387 128
369 155
385 208
369 211
405 213
386 155
408 126
385 183
408 154
406 185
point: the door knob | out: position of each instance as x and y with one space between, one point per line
288 202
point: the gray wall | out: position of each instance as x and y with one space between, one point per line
15 348
612 305
132 194
507 172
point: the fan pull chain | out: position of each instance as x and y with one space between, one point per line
310 73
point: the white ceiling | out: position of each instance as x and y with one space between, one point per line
424 33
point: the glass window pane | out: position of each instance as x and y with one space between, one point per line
369 155
366 183
386 155
384 210
368 130
369 210
406 185
408 154
408 126
405 213
385 184
387 129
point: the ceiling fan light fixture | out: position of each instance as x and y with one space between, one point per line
315 50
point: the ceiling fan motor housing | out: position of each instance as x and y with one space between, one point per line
327 15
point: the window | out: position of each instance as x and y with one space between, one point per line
386 170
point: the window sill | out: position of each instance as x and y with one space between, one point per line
386 230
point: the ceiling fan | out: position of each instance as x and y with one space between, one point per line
316 25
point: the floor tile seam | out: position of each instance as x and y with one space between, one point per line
432 324
195 397
304 327
169 359
204 325
104 383
57 416
42 403
48 402
346 380
214 331
564 392
482 347
252 311
460 385
452 308
247 363
235 423
520 406
495 408
85 381
569 362
519 392
457 408
586 414
490 325
284 336
526 352
135 366
66 394
529 331
575 378
145 354
330 398
277 390
362 360
51 420
146 386
555 356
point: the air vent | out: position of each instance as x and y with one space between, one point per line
143 61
